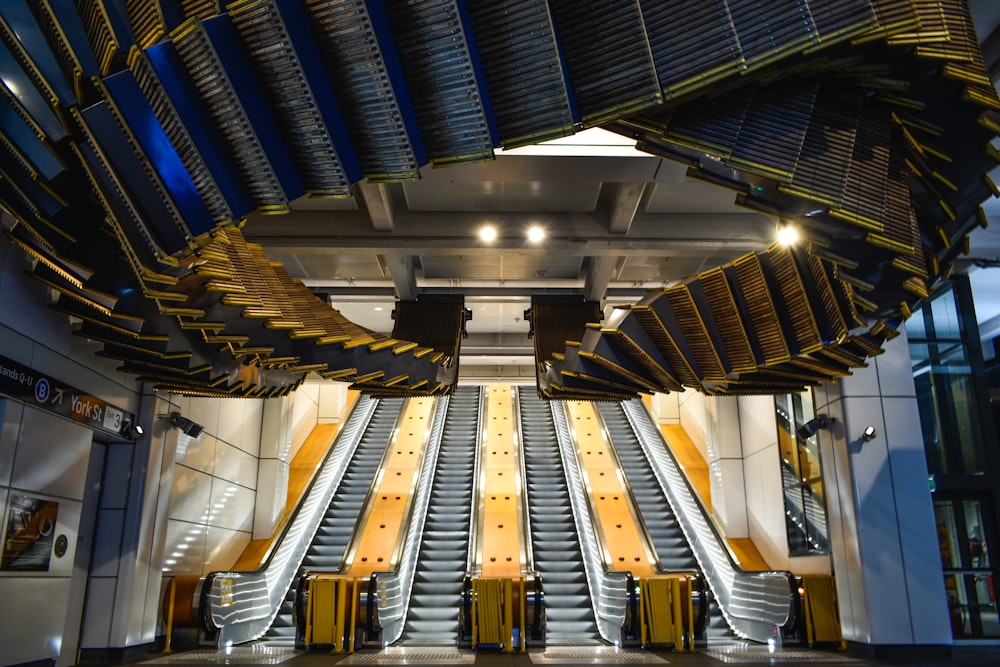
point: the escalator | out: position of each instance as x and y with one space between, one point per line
327 549
433 615
668 539
554 540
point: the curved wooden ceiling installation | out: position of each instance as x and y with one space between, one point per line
135 135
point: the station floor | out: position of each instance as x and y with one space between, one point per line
737 653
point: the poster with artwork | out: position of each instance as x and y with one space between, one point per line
31 529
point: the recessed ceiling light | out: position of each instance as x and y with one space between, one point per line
536 234
378 309
488 233
787 235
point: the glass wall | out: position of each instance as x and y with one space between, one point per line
801 475
949 414
955 370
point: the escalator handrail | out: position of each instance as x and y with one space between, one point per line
527 552
608 590
753 603
394 588
240 606
472 564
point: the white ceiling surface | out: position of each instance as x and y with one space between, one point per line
609 212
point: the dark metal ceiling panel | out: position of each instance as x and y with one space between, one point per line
287 65
523 69
364 69
592 34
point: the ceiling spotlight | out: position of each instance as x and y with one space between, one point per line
536 234
787 235
488 234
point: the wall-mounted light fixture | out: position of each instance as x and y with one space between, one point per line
869 433
809 429
190 428
132 430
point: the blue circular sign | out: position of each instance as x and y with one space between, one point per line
42 390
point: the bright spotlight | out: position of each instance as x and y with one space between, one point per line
536 234
488 234
787 235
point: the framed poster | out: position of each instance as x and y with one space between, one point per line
31 529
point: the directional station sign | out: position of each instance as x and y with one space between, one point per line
28 385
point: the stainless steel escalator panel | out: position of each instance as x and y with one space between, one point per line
326 550
569 608
435 596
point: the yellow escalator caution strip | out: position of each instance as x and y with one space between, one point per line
821 610
666 612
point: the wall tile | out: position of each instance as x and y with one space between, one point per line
117 472
895 371
758 428
232 506
205 411
667 407
235 465
34 630
10 426
223 547
231 415
190 495
252 418
96 631
184 547
197 453
52 455
272 493
332 400
107 542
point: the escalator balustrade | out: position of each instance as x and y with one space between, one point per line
340 610
503 604
665 604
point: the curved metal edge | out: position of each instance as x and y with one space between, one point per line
754 604
394 588
608 590
242 605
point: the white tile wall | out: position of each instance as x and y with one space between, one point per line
230 424
305 414
272 492
185 551
235 465
190 495
232 506
758 429
765 505
223 547
694 419
52 455
33 625
895 372
10 425
100 600
332 399
107 543
666 407
253 414
197 453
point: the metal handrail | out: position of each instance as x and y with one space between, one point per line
394 588
608 590
240 606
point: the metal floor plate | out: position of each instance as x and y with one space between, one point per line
254 655
604 655
411 656
740 652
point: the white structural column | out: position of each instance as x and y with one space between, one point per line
884 544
